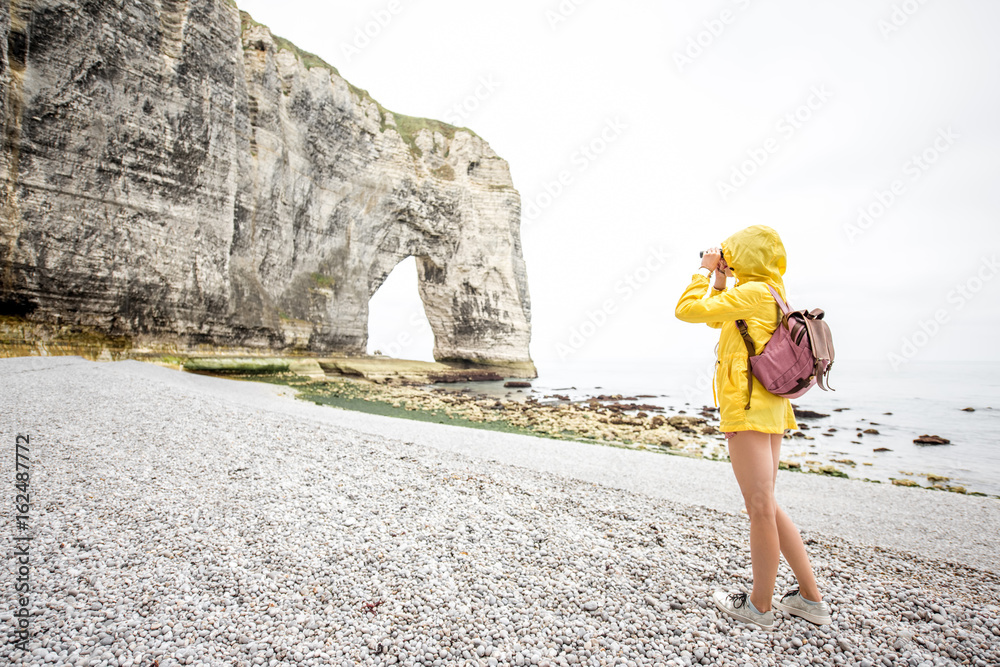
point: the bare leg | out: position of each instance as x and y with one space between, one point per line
751 456
791 541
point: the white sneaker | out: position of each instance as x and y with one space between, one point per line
793 603
738 606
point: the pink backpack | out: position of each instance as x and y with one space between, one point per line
798 355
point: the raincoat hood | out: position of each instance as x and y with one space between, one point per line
757 254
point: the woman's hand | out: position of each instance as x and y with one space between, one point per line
710 260
722 271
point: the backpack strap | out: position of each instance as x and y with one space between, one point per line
778 300
751 351
825 374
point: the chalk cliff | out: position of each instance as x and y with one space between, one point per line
171 171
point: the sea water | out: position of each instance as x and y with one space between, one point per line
916 399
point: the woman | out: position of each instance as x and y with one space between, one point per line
756 257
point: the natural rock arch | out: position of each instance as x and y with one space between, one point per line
397 321
247 197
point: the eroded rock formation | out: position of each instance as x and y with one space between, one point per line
172 171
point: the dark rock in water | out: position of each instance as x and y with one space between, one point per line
808 414
686 424
880 449
968 409
620 407
840 409
871 431
886 413
932 440
515 384
829 435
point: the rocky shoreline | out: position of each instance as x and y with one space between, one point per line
610 419
630 421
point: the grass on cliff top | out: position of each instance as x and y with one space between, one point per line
408 127
310 60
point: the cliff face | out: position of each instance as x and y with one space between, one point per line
172 171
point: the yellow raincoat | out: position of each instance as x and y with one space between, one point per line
757 258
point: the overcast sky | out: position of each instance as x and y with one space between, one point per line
673 124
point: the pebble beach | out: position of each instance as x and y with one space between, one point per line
179 519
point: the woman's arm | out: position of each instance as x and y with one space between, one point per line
718 307
715 291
